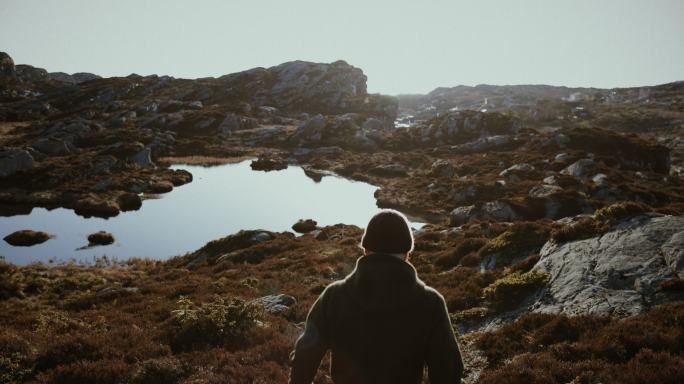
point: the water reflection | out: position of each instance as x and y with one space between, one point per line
220 200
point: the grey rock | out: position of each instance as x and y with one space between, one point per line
460 194
13 160
516 172
461 215
143 158
544 190
673 252
233 122
561 140
617 273
196 105
600 179
373 124
482 144
442 168
562 157
494 210
275 304
579 168
551 180
52 146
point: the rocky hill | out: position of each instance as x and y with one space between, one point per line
555 222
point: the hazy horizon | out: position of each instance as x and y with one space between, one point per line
402 48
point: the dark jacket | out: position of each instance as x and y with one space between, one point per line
382 325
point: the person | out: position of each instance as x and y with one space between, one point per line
381 323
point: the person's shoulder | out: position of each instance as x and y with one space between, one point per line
433 296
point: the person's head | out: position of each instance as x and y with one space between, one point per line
388 232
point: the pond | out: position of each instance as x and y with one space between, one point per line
220 201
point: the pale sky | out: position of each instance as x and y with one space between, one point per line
402 46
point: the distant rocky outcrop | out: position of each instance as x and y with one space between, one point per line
618 273
464 126
30 73
313 87
76 78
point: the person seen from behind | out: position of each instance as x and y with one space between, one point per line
381 323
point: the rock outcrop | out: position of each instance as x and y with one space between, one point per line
313 87
618 273
27 238
100 238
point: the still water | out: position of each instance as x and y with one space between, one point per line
221 200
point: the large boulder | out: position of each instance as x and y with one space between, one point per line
13 160
618 273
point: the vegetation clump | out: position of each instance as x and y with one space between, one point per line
520 240
553 348
510 289
603 221
218 322
452 257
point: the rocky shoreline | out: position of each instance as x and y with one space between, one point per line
554 212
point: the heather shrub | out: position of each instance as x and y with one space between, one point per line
674 284
583 229
9 286
451 258
166 370
510 289
68 349
619 211
104 371
525 264
519 240
603 221
551 348
14 358
214 323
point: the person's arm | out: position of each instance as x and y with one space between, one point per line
311 345
444 362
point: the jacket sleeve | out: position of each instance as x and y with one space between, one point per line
312 344
444 362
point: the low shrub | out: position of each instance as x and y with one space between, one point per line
452 257
165 370
553 348
674 284
215 323
519 240
603 221
510 289
104 371
620 211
